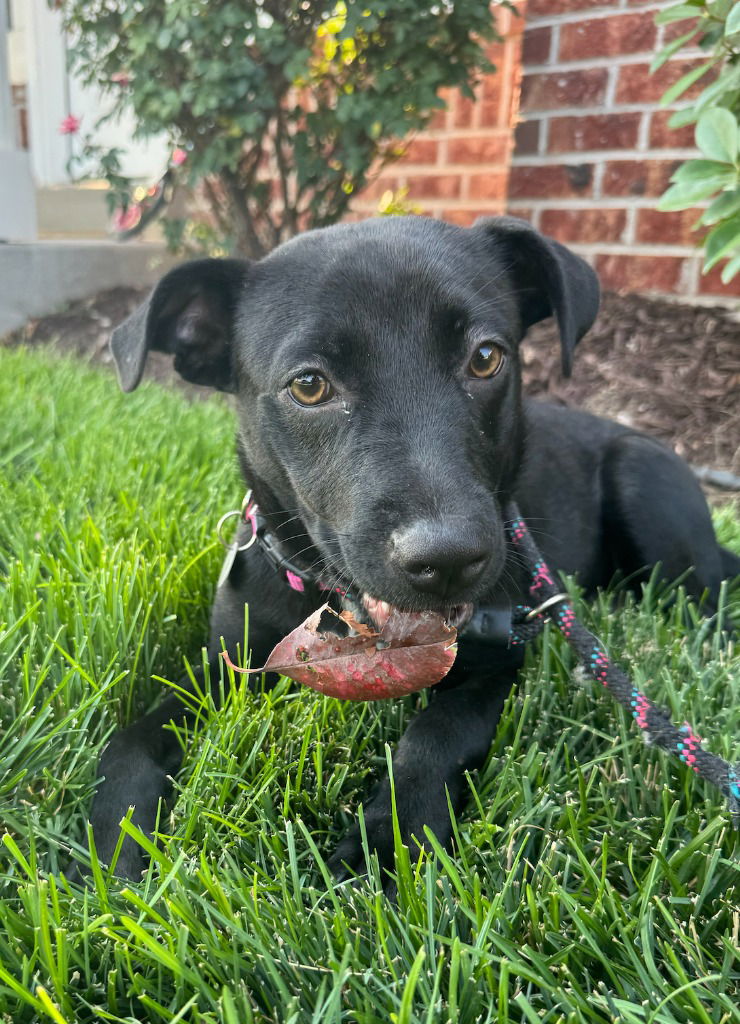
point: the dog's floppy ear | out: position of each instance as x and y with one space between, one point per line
190 315
549 279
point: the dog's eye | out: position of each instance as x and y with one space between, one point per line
487 360
310 389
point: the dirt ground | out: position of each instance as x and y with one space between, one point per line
671 370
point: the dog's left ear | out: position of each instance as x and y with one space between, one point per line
549 279
190 315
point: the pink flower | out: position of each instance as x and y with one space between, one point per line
122 78
124 220
179 156
70 125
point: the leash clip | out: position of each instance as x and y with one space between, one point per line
555 599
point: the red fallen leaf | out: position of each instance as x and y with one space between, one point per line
413 650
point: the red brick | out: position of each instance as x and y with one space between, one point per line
584 225
490 89
536 46
463 112
563 89
679 28
672 228
635 273
546 8
438 121
661 136
637 85
434 186
477 149
375 189
711 283
599 131
553 182
522 212
526 138
608 37
466 217
441 118
637 177
487 186
496 52
488 103
491 115
421 151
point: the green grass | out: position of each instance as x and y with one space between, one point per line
594 880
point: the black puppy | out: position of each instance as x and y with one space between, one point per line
382 431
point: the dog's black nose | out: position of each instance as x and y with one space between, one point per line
438 558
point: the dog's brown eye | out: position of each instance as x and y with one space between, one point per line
310 389
487 360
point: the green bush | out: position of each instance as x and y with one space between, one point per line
715 27
282 106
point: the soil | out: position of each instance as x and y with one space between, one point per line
668 369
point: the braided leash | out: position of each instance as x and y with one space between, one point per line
656 725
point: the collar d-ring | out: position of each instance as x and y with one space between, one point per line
242 514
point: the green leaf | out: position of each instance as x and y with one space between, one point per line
685 194
701 170
676 13
732 268
667 52
717 10
723 206
716 135
732 24
682 117
721 242
686 81
720 92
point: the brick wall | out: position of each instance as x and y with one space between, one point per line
458 168
593 151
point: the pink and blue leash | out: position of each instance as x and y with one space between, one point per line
548 602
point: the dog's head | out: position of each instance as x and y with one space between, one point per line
377 382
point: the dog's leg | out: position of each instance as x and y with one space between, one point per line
452 735
139 761
655 512
135 770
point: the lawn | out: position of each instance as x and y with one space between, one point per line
594 879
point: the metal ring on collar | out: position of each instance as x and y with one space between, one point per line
555 599
229 515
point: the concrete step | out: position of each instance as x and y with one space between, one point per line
42 277
78 211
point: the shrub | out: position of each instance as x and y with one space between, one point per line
715 27
282 106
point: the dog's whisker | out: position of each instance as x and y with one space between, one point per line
297 536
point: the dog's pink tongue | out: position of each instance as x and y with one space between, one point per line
407 652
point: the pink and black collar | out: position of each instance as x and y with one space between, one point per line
298 579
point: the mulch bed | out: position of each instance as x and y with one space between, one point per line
671 370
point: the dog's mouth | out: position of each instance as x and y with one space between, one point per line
379 612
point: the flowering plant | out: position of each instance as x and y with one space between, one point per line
284 106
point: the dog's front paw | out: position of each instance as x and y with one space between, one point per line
413 814
130 865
